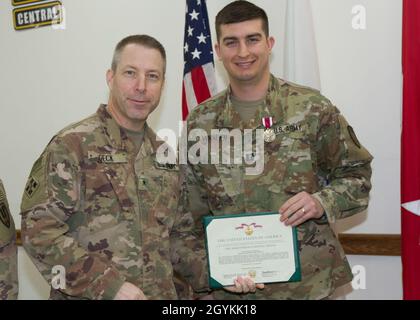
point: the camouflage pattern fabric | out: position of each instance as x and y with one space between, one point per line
9 286
316 151
108 215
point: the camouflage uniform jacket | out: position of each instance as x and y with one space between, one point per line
108 215
9 287
316 151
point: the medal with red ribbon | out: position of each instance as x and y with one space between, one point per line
269 134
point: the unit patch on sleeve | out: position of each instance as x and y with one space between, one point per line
31 186
4 210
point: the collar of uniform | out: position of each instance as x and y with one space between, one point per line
274 103
111 128
118 137
151 140
228 118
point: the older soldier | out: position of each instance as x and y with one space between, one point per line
8 252
99 207
315 170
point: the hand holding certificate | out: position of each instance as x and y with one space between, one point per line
256 245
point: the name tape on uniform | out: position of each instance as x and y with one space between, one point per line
108 158
287 128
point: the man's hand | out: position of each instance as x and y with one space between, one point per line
300 208
129 291
244 285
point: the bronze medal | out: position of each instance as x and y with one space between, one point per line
269 135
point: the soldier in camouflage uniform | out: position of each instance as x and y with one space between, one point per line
98 203
9 287
315 170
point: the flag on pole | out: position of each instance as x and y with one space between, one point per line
301 56
410 151
199 81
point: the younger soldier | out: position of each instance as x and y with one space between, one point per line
314 172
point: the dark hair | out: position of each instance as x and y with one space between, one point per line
240 11
142 40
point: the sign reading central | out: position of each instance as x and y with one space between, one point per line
39 15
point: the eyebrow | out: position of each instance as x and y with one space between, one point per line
247 36
128 66
135 68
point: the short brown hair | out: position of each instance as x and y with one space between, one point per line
240 11
141 40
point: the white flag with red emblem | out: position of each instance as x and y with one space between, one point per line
301 56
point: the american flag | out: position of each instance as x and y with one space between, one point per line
199 81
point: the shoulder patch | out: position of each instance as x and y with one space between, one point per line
35 184
5 218
5 215
353 137
31 186
355 152
299 86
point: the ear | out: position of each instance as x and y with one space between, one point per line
217 49
109 77
270 42
163 83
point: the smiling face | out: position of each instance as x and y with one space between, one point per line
245 49
135 85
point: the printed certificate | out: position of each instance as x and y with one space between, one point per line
252 244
